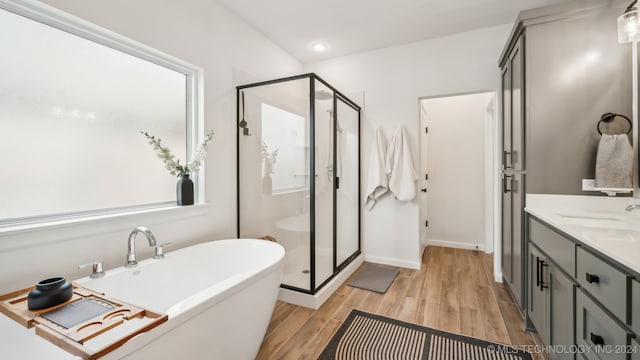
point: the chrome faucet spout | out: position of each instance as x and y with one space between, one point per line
131 245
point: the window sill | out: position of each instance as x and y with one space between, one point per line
89 225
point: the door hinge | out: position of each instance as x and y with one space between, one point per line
426 176
426 130
426 223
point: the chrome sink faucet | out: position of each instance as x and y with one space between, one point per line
632 207
131 246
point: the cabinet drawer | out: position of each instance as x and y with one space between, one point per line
559 249
594 327
635 308
635 350
603 282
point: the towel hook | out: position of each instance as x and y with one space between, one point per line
608 117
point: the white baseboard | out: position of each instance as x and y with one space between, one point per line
392 262
454 244
497 275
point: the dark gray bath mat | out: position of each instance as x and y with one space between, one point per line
369 336
374 278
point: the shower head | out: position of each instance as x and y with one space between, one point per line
323 95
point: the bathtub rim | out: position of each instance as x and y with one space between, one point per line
277 262
146 338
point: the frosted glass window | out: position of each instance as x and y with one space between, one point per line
71 112
284 149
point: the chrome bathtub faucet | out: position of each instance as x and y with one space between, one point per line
131 245
97 271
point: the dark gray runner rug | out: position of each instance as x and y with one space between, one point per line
374 278
369 336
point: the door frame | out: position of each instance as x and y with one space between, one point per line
491 173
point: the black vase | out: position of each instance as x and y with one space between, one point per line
49 292
184 191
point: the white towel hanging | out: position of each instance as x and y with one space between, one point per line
614 162
377 182
399 166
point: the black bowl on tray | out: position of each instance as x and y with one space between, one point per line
49 292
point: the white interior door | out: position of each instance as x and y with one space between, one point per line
452 154
422 178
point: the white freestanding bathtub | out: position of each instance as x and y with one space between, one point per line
219 297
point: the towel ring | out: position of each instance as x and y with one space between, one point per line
608 117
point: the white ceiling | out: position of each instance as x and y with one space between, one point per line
352 26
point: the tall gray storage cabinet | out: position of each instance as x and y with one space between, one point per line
513 168
561 69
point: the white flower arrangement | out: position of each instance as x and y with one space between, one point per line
269 159
171 164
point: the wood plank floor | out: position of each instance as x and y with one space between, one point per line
453 291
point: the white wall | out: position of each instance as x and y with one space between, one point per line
393 79
456 167
206 35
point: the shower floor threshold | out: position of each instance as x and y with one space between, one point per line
316 300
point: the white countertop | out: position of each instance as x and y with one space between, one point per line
599 222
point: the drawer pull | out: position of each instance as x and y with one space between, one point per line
597 339
593 278
542 283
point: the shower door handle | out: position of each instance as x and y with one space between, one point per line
337 183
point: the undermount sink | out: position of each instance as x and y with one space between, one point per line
605 228
597 221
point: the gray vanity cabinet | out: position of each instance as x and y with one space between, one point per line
635 354
561 314
577 295
635 307
537 304
551 300
603 282
596 329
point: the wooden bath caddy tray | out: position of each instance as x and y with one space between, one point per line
73 339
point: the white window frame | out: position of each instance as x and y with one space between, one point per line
58 19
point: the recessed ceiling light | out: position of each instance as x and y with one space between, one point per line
319 47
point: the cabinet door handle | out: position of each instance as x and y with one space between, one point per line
537 271
596 339
542 284
505 153
593 278
505 189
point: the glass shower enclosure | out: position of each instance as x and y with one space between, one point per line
298 151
